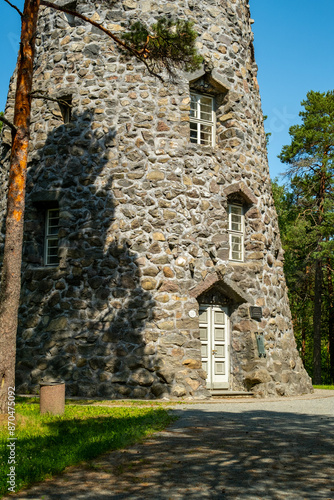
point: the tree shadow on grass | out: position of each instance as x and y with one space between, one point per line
67 441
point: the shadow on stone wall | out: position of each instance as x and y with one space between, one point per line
85 320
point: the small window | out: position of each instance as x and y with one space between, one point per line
65 106
70 18
51 237
236 232
202 119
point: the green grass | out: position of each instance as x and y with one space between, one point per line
108 402
47 444
331 387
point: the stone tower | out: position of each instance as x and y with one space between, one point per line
152 262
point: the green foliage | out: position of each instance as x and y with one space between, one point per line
306 219
284 205
1 114
297 269
310 157
310 237
167 44
314 138
268 134
47 444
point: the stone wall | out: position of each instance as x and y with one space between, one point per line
143 214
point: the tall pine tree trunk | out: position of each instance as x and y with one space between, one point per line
330 290
11 271
317 323
303 352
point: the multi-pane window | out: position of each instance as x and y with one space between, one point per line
51 237
202 119
236 232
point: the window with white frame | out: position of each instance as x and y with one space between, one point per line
236 232
202 119
51 237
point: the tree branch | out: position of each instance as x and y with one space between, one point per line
93 23
117 40
35 95
14 7
9 124
150 70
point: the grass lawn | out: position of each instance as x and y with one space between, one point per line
47 444
331 387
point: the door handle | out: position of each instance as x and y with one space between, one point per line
214 351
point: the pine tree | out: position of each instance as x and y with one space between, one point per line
310 157
297 266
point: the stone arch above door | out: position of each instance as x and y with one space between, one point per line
218 298
223 286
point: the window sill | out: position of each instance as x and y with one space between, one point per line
42 267
205 149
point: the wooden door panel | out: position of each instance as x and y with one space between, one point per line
214 336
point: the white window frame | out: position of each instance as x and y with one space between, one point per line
199 122
236 234
51 237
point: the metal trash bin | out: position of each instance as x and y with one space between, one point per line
52 397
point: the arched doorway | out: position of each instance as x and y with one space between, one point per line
218 298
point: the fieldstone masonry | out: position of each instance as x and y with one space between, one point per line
144 213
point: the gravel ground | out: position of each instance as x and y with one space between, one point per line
227 449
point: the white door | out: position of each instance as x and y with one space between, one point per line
214 335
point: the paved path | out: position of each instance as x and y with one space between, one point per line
227 450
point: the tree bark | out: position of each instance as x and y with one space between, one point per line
303 351
11 271
330 290
317 323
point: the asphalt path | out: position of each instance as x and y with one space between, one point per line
227 449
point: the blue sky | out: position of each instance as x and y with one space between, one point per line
10 27
294 49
